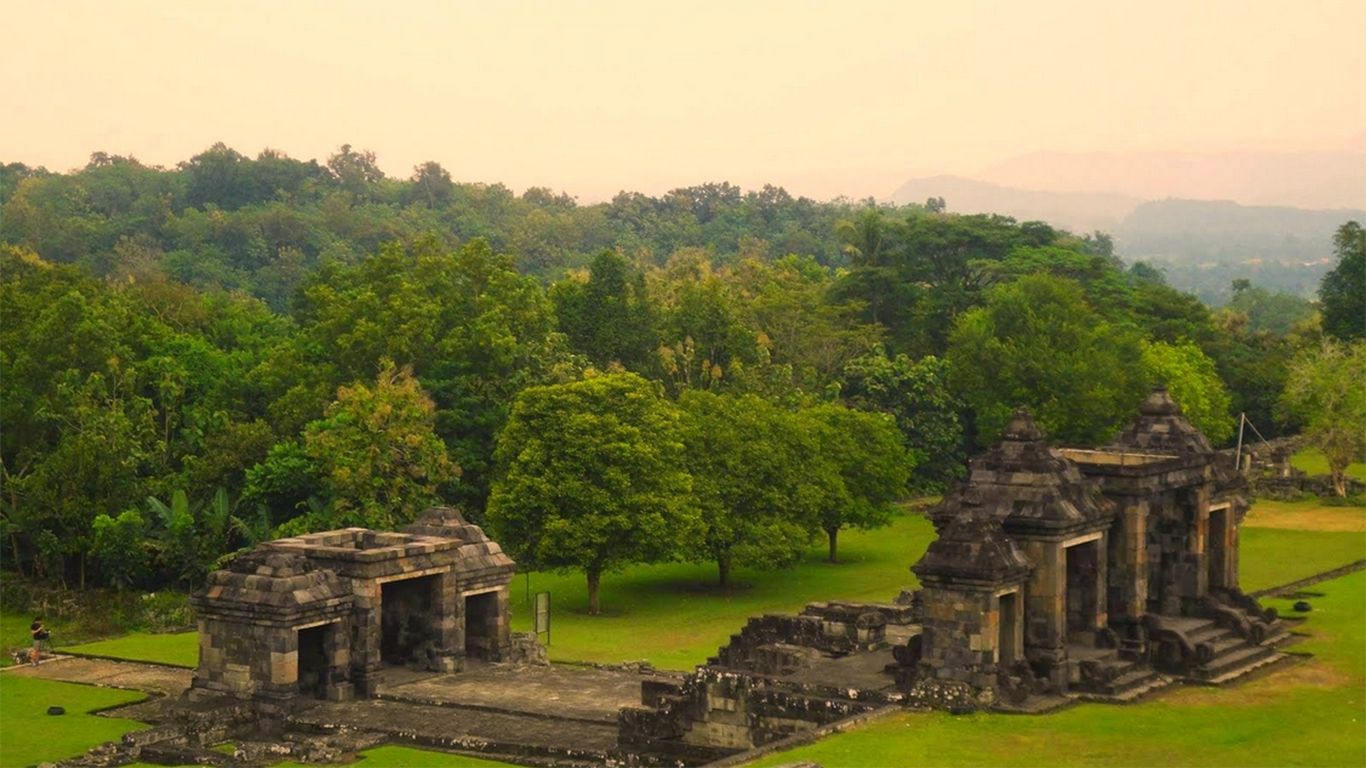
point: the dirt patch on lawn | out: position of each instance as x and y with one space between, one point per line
152 678
1312 673
1315 518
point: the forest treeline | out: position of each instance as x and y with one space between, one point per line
201 358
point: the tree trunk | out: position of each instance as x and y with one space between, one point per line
594 579
1339 482
833 533
82 561
723 570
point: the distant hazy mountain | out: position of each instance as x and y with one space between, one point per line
1075 211
1203 245
1219 231
1302 179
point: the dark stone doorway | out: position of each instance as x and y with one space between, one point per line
313 661
1083 576
406 620
481 625
1008 643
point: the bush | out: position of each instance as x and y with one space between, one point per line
1356 500
166 612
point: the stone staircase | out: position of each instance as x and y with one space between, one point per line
1100 674
1230 655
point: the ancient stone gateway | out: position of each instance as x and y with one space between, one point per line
326 614
1058 574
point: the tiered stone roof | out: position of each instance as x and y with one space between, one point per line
478 555
271 586
1028 487
973 548
1160 428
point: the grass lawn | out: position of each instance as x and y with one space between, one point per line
1272 556
1313 714
14 633
1306 515
1312 462
180 649
29 735
674 617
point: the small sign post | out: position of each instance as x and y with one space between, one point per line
541 615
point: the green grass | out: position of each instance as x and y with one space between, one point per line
1313 462
674 617
14 633
1309 715
180 649
29 735
1269 557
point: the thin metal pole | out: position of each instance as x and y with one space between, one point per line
1238 457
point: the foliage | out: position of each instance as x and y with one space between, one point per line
377 453
119 546
609 318
758 479
1267 311
1343 290
1190 377
866 453
1325 390
917 394
592 478
473 332
1037 343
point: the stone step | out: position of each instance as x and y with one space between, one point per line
1227 643
1247 655
1210 634
1234 673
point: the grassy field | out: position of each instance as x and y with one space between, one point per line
30 735
1310 715
179 649
674 617
14 633
1311 461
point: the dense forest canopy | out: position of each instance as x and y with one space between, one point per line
199 358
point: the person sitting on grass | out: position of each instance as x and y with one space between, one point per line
40 636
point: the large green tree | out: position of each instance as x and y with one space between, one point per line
1190 377
473 331
592 477
757 478
1326 392
917 394
865 450
377 452
1037 343
609 318
1343 290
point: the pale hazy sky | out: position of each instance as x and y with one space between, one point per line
825 98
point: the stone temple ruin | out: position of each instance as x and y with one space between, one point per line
1058 574
326 615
